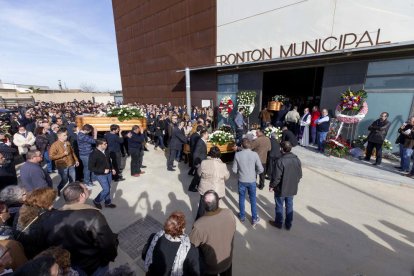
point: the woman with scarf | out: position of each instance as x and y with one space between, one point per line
169 251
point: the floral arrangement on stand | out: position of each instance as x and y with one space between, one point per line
125 112
220 137
246 99
338 147
387 145
270 129
361 140
226 106
352 107
279 98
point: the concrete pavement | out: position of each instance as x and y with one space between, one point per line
348 219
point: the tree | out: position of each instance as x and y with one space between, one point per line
87 87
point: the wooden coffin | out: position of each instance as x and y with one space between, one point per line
223 148
274 106
103 123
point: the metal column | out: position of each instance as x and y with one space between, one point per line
188 90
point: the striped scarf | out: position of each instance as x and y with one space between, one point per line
177 268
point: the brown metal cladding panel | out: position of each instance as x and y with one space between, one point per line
158 37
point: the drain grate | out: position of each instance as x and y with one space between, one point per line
133 238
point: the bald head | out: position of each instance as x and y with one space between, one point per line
211 201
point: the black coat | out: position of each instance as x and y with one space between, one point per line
200 152
159 127
136 141
7 151
193 141
275 150
178 139
52 137
85 233
99 162
288 135
32 237
286 176
164 254
151 124
378 131
7 175
42 143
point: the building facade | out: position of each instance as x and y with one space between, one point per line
309 50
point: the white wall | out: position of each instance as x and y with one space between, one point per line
244 25
60 97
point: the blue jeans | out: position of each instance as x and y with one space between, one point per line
160 142
251 189
48 161
321 141
313 135
239 136
406 159
86 171
66 174
279 210
105 182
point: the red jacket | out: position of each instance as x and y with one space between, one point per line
315 115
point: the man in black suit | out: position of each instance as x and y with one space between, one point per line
115 140
136 148
200 154
288 135
100 165
193 142
176 144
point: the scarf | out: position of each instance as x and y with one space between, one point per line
177 268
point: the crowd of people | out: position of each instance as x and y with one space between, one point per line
46 135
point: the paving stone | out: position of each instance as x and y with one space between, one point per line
133 238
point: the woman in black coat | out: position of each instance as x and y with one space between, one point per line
42 142
170 252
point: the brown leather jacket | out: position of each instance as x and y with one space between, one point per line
57 153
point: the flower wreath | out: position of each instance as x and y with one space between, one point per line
351 119
226 106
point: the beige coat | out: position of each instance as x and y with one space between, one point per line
213 173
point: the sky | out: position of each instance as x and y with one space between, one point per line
44 41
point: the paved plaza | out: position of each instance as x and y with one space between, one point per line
351 218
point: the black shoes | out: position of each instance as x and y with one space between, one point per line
279 226
171 169
274 224
142 166
260 186
119 179
97 205
194 190
110 205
